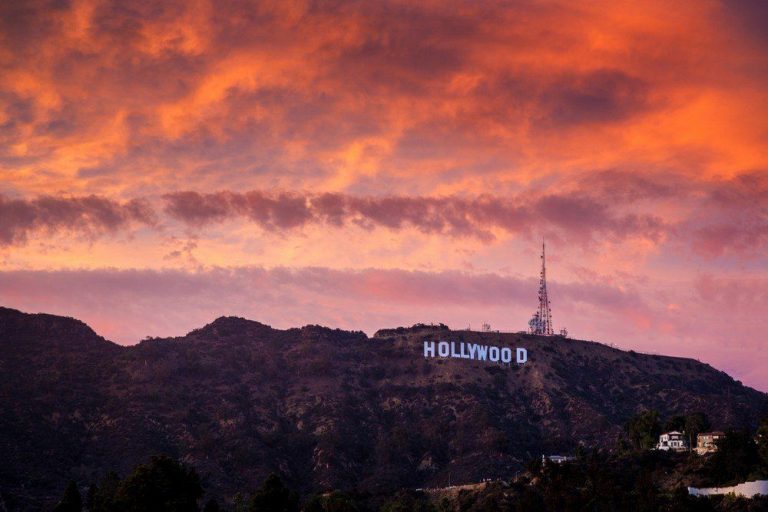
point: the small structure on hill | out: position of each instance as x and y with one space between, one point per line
673 440
541 322
557 459
706 442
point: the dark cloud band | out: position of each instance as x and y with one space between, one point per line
727 216
89 215
454 216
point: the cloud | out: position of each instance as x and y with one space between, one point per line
373 94
722 218
600 96
750 16
731 294
578 217
90 216
633 186
733 217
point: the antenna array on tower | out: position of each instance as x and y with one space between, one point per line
541 323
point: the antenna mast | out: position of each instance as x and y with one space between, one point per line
541 323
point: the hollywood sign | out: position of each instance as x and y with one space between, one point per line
474 351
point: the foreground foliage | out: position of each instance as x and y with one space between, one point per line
595 481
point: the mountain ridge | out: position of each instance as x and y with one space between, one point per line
323 407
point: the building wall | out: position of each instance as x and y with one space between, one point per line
746 489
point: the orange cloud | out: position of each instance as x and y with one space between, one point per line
352 96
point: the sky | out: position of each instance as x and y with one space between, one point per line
374 164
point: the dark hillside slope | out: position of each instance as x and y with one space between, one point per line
325 408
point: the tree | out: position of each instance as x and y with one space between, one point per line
692 424
643 430
762 444
645 494
681 501
211 506
736 457
239 503
695 424
675 423
161 485
408 501
71 501
333 502
273 496
101 498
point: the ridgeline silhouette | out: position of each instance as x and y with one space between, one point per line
324 408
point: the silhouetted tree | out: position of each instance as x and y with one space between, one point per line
239 503
333 502
101 498
211 506
691 425
675 423
71 501
528 500
736 457
559 486
161 485
408 501
90 497
491 499
645 493
695 424
681 501
762 445
273 496
643 430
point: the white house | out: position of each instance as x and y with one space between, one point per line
672 441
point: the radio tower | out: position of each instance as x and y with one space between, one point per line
541 323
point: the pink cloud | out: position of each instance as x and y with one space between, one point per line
577 216
89 215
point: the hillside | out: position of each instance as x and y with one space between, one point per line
325 408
